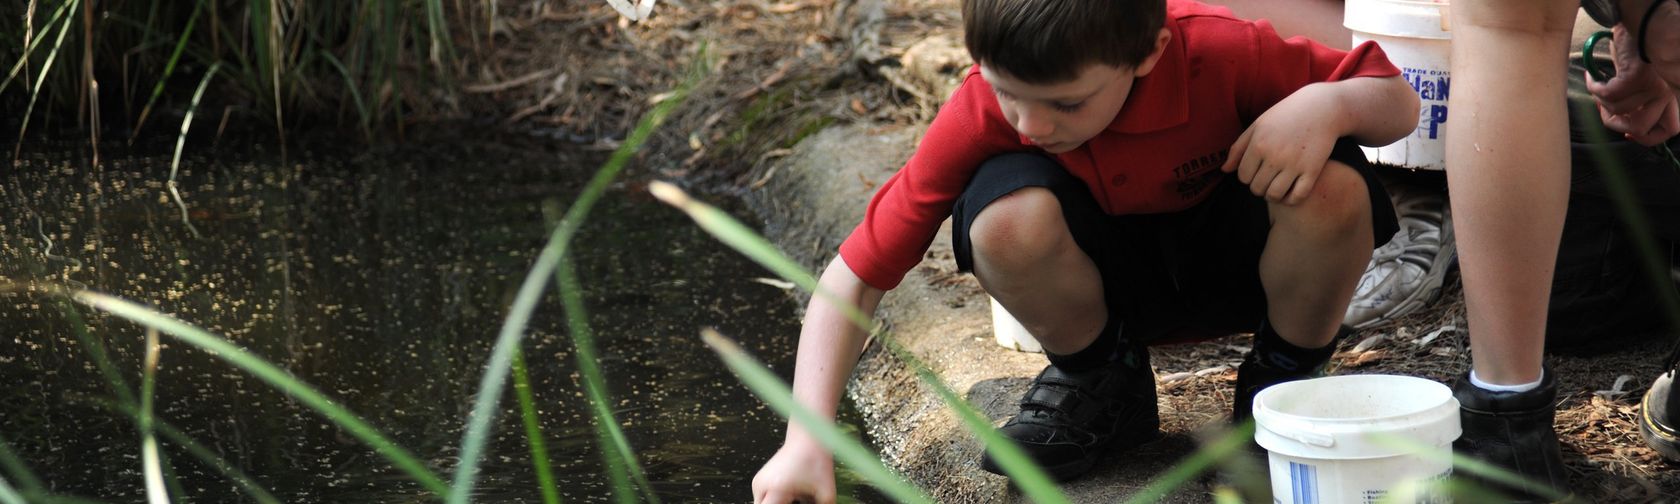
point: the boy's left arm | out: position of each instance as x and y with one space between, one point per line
1281 154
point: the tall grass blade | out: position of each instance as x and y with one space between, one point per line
152 468
533 431
490 24
18 470
181 142
266 21
90 343
168 69
443 51
1221 448
1638 225
30 46
364 115
90 89
9 495
1031 479
615 447
848 450
1460 490
46 69
244 481
1226 496
1469 465
278 378
95 349
530 291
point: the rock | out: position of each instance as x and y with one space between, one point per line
936 64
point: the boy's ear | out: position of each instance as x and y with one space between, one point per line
1148 63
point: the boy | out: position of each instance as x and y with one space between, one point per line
1116 170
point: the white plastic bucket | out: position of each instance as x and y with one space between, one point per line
1009 332
1416 35
1356 439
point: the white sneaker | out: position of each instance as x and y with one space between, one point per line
1406 273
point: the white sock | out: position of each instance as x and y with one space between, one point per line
1523 387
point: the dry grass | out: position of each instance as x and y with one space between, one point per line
578 73
1602 448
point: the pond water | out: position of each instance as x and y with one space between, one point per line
381 278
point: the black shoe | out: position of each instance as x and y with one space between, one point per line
1657 423
1070 420
1513 431
1256 373
1247 473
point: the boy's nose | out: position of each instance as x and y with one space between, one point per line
1033 124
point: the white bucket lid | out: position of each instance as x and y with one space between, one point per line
1355 417
1424 19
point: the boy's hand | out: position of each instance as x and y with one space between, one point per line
1282 153
797 473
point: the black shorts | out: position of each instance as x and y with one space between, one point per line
1197 269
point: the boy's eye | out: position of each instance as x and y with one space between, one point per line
1069 107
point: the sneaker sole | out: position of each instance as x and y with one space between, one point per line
1060 473
1073 470
1658 438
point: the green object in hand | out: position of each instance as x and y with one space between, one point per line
1598 73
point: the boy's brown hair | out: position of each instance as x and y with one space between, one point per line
1050 41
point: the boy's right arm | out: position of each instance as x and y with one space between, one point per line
829 346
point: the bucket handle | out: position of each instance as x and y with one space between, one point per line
1304 433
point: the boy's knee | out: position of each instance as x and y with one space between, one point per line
1339 202
1020 226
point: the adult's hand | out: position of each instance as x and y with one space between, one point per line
1639 101
1662 43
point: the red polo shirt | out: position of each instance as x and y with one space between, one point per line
1161 154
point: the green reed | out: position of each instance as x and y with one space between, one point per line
533 431
279 378
1228 445
204 454
1031 479
553 261
622 469
847 449
151 466
46 67
125 403
1633 216
18 470
288 60
9 495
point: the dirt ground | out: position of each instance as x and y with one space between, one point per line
1599 393
785 71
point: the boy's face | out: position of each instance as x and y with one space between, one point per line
1060 117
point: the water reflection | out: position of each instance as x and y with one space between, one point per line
381 279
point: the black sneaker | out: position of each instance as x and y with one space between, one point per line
1068 421
1513 431
1246 472
1657 423
1256 373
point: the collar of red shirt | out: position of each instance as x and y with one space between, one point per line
1161 99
